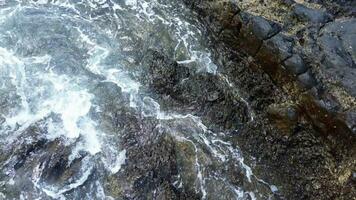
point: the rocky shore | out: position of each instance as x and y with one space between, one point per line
295 62
185 99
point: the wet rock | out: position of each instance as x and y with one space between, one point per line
112 102
161 73
2 120
109 94
156 166
220 191
150 164
206 93
217 13
201 94
295 65
186 158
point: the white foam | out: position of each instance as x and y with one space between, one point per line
274 188
118 161
41 1
122 79
71 104
150 108
131 2
73 107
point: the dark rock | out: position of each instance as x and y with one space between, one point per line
337 44
108 93
262 28
310 15
160 73
273 52
201 94
258 26
314 143
206 93
295 65
217 13
307 80
351 120
281 45
254 30
338 8
353 176
2 120
285 116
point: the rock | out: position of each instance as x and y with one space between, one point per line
186 159
338 8
317 135
161 73
337 44
201 94
304 13
295 65
281 45
285 116
254 30
307 80
2 120
353 176
218 107
108 93
216 13
351 120
259 27
273 52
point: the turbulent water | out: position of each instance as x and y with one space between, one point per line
72 100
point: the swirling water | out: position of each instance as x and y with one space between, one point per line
63 64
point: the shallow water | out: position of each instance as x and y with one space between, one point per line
63 64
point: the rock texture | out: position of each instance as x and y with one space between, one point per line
305 52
